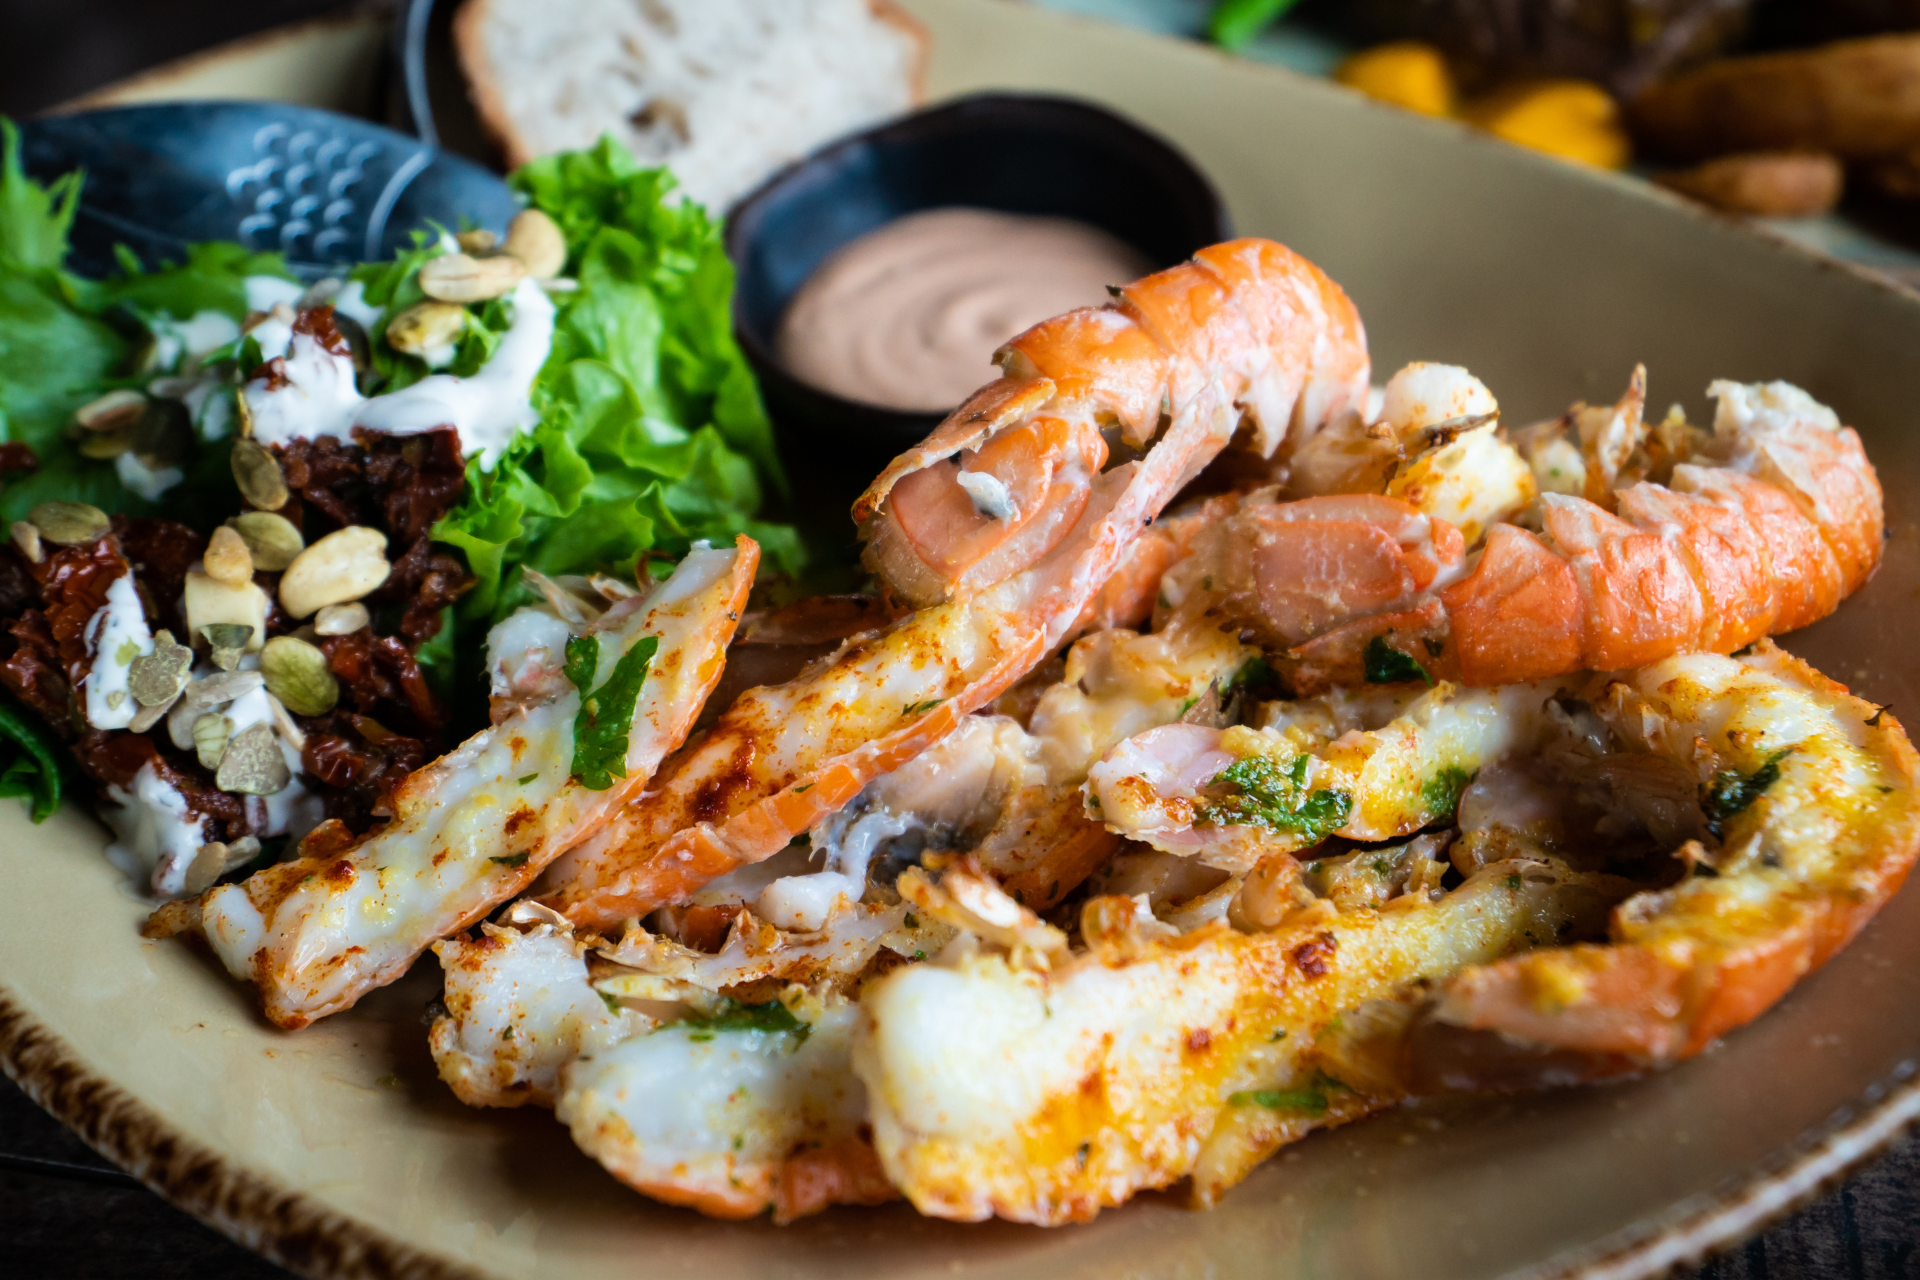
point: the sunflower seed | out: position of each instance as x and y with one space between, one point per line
227 559
479 240
253 764
212 603
27 538
426 328
222 687
343 566
259 476
111 412
535 239
459 277
283 721
210 733
271 540
207 866
157 678
297 674
71 524
341 619
147 717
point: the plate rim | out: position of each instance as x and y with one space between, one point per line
292 1229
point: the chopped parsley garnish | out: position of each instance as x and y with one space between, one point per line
1275 799
525 778
1312 1101
1387 665
1732 791
731 1015
610 1000
915 708
1254 671
606 714
1441 793
510 859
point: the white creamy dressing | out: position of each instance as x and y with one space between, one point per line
264 292
156 837
487 410
116 634
188 340
144 480
352 303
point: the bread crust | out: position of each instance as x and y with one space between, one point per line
906 24
484 78
470 49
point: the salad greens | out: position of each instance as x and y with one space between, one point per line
651 431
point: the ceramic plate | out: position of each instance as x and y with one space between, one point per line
336 1150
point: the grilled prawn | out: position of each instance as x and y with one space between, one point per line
1247 328
1762 527
1018 1079
473 828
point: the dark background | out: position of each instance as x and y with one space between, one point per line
63 1213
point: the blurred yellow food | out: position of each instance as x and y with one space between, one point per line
1406 73
1571 118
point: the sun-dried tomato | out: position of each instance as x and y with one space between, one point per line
16 456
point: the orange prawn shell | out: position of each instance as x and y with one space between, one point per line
1656 999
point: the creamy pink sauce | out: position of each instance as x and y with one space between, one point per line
909 316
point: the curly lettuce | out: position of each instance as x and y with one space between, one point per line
652 434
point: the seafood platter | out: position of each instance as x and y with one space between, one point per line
1223 749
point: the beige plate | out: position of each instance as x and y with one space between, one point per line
336 1150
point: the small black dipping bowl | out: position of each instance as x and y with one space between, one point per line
1013 153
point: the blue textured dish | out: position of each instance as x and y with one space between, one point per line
326 190
1016 153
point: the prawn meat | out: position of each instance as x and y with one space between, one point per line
472 829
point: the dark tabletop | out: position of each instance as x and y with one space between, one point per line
65 1213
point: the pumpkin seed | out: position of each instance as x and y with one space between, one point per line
341 619
297 674
227 558
426 328
27 538
460 277
271 540
535 239
253 764
259 476
210 733
343 566
157 678
71 524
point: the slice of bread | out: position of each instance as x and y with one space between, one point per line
722 92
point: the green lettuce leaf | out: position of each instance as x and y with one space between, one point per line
652 434
29 760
